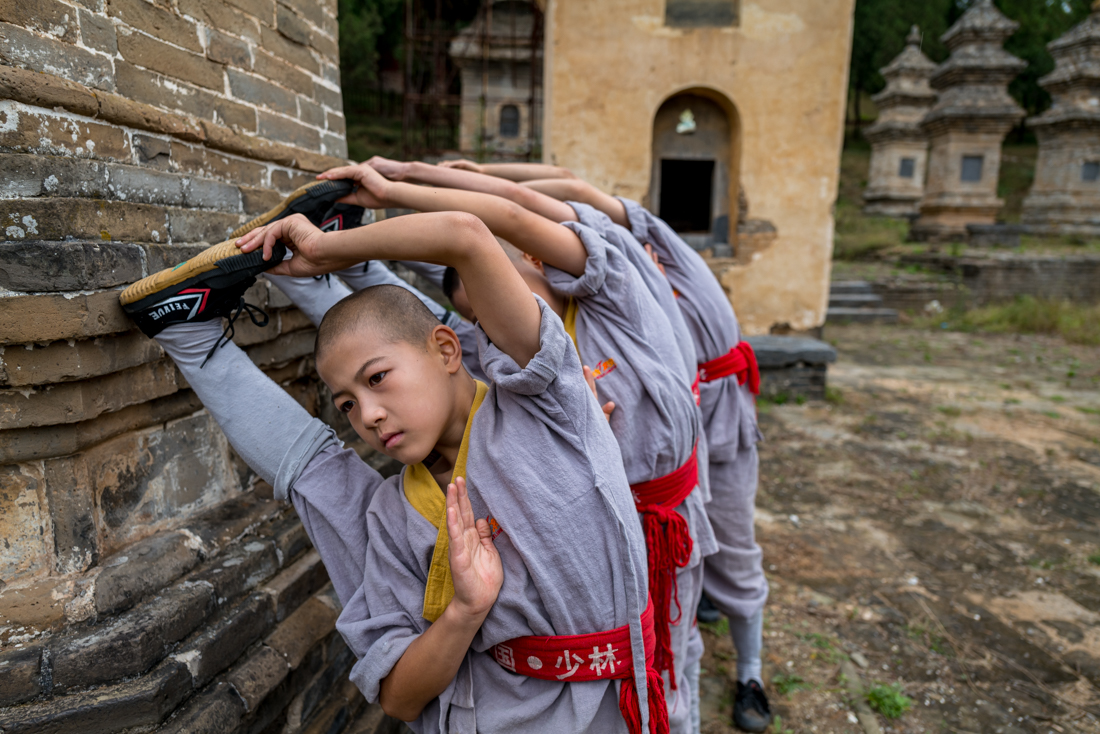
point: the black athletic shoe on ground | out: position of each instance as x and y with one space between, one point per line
314 200
707 613
751 711
208 286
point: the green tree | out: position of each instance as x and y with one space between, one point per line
367 28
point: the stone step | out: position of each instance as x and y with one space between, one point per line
850 286
855 300
844 314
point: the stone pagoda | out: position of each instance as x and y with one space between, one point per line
899 148
1065 198
967 124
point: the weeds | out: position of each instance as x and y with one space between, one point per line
788 683
949 410
836 397
889 700
1076 323
777 725
1095 559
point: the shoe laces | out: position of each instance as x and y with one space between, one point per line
230 328
756 691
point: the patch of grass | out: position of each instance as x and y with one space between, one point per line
788 683
1094 559
721 628
1011 401
1088 411
1057 398
950 410
818 640
836 397
889 700
777 726
1052 414
1076 323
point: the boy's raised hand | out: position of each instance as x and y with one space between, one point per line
300 237
475 564
373 189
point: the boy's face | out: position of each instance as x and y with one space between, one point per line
400 398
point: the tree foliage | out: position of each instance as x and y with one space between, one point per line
369 30
881 27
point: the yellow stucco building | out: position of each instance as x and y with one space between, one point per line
681 104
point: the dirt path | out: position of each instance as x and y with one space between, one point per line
934 524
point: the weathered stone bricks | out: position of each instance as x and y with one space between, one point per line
304 628
240 569
133 642
264 10
25 550
259 92
291 26
327 96
282 73
152 54
258 676
48 17
289 180
144 702
221 524
189 225
219 709
19 47
144 567
72 515
335 123
289 51
198 161
220 15
225 637
67 266
97 32
285 347
161 91
29 129
28 87
46 318
62 361
310 112
257 201
31 444
60 219
33 175
228 50
156 22
70 402
297 583
20 669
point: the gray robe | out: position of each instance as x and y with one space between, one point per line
543 463
656 421
734 577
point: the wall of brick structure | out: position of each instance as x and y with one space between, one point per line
145 580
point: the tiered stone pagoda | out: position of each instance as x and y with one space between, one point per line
1065 198
899 148
967 125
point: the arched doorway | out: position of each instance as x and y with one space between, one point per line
694 180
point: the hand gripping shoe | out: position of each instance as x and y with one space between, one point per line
315 200
208 286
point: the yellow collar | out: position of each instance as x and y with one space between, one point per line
570 321
424 495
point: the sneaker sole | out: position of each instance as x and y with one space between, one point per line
302 200
204 262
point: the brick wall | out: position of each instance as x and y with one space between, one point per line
144 579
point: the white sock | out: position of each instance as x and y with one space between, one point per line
748 638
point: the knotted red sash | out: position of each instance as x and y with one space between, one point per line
740 361
668 545
611 658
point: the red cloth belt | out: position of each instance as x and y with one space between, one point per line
596 656
695 389
668 547
740 361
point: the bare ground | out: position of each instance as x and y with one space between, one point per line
933 523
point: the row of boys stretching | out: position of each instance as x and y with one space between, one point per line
579 450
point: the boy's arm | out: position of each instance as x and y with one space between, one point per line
541 238
431 662
455 178
511 171
509 315
576 189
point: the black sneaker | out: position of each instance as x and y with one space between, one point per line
314 200
751 711
707 613
208 286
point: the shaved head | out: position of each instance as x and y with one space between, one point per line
390 310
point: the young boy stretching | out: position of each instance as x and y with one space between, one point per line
621 332
734 577
455 606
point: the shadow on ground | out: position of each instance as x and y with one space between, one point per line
937 524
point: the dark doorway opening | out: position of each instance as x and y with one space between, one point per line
686 194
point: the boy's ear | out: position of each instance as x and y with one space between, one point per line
447 345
